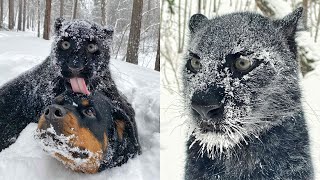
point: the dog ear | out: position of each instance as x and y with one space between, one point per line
127 128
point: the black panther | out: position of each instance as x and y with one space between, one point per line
243 99
79 60
87 133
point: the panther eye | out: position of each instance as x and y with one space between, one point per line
195 65
65 45
243 63
89 112
92 48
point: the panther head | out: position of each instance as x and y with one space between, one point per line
81 50
240 77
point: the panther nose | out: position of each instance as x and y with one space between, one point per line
54 112
206 112
208 103
75 70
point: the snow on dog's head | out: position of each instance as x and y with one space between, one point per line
76 131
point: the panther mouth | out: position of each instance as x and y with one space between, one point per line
79 85
78 80
211 127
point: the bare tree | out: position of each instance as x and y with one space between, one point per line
38 8
317 27
29 14
61 7
157 64
134 35
1 13
75 7
305 14
11 14
46 24
20 16
179 28
103 12
184 23
24 15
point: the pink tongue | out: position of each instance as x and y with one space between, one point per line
79 85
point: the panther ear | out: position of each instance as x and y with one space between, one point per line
58 24
288 25
196 21
108 32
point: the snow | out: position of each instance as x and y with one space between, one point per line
26 160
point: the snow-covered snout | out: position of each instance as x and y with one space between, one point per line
81 50
240 77
77 130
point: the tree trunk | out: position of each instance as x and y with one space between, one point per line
157 64
20 16
135 28
112 14
184 22
61 7
38 18
11 14
75 7
24 15
46 24
179 28
199 6
1 13
317 27
305 14
103 12
28 16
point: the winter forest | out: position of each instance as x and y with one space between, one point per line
175 15
135 23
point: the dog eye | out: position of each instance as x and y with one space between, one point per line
243 64
92 48
89 112
194 65
65 45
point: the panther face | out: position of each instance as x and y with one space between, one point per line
81 50
240 77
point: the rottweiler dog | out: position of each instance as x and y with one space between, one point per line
87 133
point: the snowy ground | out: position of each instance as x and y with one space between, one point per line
26 160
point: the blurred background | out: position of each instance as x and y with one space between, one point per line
175 15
